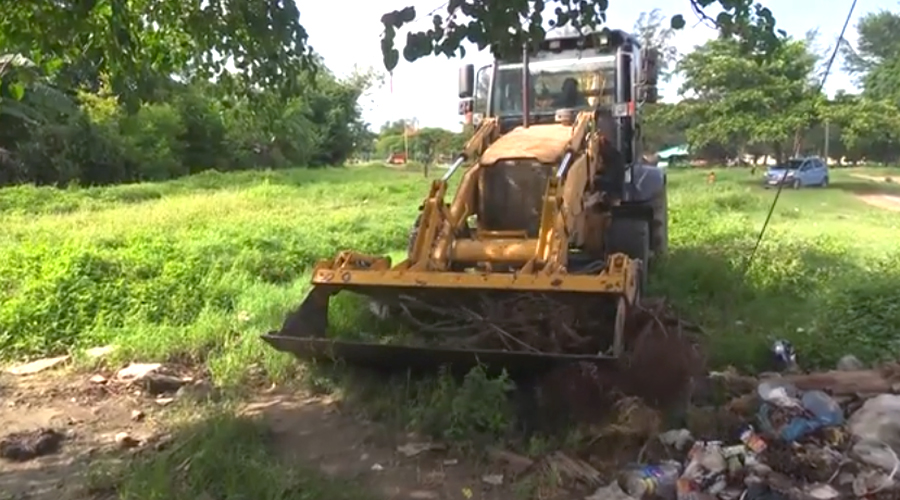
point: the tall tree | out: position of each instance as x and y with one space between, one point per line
740 101
869 128
659 127
875 60
136 39
653 30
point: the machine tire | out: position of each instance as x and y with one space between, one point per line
796 184
659 229
631 237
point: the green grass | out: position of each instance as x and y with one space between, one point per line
218 457
824 275
199 267
199 272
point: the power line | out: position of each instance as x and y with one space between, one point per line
834 53
439 7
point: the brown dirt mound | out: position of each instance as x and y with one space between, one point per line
664 357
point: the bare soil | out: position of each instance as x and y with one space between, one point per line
310 432
87 414
315 431
886 178
885 201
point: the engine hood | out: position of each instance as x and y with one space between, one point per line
542 143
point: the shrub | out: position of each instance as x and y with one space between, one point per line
153 140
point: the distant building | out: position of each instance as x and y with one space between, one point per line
677 154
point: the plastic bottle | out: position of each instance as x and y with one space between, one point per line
651 481
828 413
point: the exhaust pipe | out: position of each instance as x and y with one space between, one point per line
526 87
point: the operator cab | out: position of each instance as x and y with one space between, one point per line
606 71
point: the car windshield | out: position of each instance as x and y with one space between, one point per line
580 84
792 164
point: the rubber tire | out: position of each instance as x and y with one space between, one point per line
825 182
796 184
659 231
631 237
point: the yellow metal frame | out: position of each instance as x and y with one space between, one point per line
544 259
353 269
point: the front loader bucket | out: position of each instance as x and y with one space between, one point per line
310 320
389 358
522 322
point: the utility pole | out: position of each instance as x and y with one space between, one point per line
405 141
827 138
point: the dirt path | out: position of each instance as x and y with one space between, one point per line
885 201
314 431
874 178
86 413
310 432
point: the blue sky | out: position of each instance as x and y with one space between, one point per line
426 90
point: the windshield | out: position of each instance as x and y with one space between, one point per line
791 164
579 84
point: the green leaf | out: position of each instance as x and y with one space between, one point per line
391 58
408 14
724 19
17 90
499 25
188 38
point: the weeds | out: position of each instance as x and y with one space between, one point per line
474 409
198 268
221 456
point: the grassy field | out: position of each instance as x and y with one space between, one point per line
198 268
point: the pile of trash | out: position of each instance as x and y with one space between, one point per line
816 436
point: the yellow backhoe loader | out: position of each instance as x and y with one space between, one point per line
542 251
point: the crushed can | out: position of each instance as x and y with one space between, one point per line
686 489
651 481
753 441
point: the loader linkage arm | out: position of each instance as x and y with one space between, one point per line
484 135
438 220
551 254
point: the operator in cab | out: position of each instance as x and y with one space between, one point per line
570 96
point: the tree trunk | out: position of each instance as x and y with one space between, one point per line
838 383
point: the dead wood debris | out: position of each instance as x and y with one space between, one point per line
24 446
